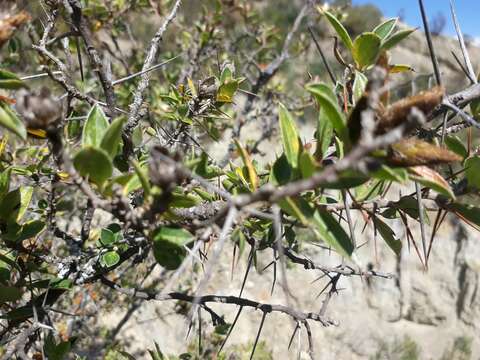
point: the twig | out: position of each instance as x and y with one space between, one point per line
139 73
134 116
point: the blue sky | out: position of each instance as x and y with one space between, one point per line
468 12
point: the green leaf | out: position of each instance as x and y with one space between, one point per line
330 231
133 184
27 230
226 91
387 173
226 74
456 145
370 190
366 49
111 138
109 259
388 235
93 163
95 127
6 264
340 30
359 85
10 81
307 164
107 237
281 172
141 173
291 143
239 239
324 134
396 38
54 351
168 246
346 179
5 181
184 200
466 212
247 162
472 171
409 205
322 223
15 203
60 284
9 294
327 100
10 121
385 29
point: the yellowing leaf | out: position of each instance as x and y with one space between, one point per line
38 133
431 179
226 91
414 152
191 86
291 143
63 175
400 68
247 161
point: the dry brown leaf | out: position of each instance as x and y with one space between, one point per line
414 152
10 24
398 112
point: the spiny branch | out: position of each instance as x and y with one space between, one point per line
235 300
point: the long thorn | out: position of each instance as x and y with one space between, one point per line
430 44
249 265
79 56
422 221
322 55
258 334
293 335
231 329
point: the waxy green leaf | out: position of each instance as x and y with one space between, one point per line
366 49
340 30
93 163
168 246
112 136
10 121
95 127
327 100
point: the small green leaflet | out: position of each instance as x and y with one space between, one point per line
291 143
